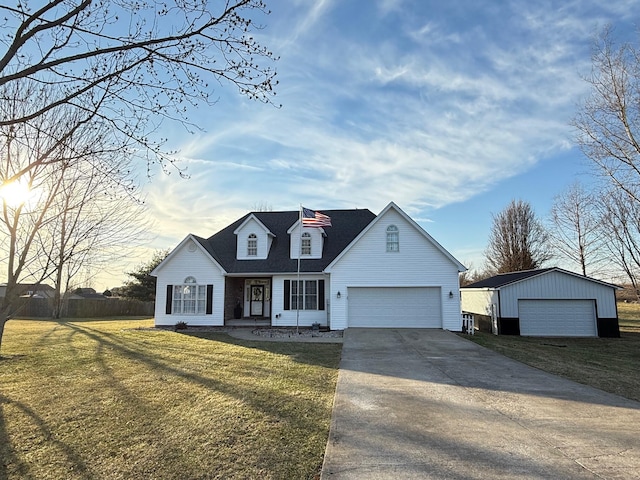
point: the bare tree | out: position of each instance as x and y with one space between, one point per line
575 229
71 68
608 122
21 146
473 274
517 240
620 221
130 63
262 207
92 223
70 214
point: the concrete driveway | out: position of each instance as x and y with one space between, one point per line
428 404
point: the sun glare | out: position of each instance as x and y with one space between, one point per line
15 194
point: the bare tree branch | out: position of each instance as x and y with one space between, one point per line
608 122
517 240
575 229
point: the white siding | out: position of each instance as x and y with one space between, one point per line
184 263
478 301
242 236
418 263
287 318
557 285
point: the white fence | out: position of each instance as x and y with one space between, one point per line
468 323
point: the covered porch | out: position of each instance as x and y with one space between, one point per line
247 301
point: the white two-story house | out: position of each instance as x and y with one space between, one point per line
365 270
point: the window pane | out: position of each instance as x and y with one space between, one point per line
252 245
297 297
189 292
202 296
177 306
306 244
189 306
311 295
393 244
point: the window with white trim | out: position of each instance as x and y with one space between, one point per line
252 245
393 239
305 248
304 295
189 298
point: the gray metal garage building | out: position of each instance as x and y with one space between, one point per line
544 302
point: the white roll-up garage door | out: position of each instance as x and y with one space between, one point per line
394 307
563 318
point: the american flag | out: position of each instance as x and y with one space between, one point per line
314 219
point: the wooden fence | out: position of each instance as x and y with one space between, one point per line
86 308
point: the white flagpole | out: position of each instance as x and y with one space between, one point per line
298 278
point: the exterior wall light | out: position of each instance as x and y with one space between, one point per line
450 294
338 295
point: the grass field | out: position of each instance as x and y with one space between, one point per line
610 364
112 399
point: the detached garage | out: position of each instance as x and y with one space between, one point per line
549 302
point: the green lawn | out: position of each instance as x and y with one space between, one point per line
610 364
112 399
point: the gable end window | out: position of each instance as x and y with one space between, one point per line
189 298
305 248
304 295
393 239
252 245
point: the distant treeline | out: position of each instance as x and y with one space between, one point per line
626 294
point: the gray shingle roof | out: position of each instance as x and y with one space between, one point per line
346 225
512 277
506 278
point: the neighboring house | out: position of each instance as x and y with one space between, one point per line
35 290
544 302
363 271
86 293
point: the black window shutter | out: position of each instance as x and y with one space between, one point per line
209 299
320 294
287 294
169 299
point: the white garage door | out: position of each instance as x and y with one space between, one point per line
394 307
564 318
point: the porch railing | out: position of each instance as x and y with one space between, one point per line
468 323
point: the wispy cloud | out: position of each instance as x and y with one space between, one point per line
424 103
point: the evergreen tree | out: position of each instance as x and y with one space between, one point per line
143 285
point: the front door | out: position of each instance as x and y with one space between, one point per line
257 301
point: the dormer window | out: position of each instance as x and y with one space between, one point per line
393 239
252 245
306 244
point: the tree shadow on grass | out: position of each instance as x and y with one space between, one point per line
327 356
134 376
320 354
282 407
9 461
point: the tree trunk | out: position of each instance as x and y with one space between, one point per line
3 320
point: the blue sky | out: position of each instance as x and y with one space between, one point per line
449 109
